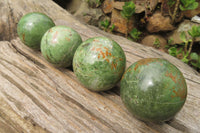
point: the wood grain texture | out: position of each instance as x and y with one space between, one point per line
37 97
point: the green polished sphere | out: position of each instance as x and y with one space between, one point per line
153 89
99 63
59 44
32 27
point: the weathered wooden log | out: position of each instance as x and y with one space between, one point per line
37 97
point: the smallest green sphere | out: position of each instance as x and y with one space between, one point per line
59 44
32 27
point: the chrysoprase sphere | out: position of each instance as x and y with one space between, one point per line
32 27
153 89
59 44
99 63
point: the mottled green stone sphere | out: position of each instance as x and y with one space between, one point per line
59 44
32 27
99 63
153 89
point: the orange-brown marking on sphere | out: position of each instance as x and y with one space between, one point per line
144 62
121 71
171 76
107 53
47 57
98 49
103 54
121 59
96 40
114 65
107 60
180 93
68 39
50 30
106 48
23 37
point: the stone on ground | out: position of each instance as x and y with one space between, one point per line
121 23
157 23
155 41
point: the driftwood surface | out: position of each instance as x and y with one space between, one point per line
37 97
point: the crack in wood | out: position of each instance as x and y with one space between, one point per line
34 99
28 57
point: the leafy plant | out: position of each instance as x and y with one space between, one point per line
185 40
186 55
98 2
106 25
170 41
188 5
173 51
135 34
179 53
183 37
156 43
171 3
127 12
183 5
112 27
195 31
128 9
195 60
94 3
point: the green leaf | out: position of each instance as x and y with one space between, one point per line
128 9
172 51
184 2
129 38
94 3
185 60
188 5
194 64
182 8
112 27
180 51
105 24
170 41
135 34
156 43
192 6
171 2
183 36
198 65
194 31
123 14
194 56
195 60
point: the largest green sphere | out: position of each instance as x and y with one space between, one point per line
32 27
99 63
153 89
